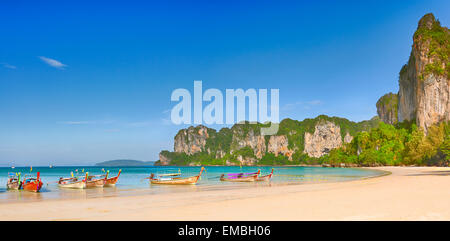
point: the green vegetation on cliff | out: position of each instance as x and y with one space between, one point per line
295 130
223 148
430 33
387 108
401 144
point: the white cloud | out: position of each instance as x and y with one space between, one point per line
8 66
53 62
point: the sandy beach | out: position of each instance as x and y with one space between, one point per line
408 193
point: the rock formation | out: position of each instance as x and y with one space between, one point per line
243 144
191 140
348 138
424 84
326 137
164 159
250 139
279 145
387 108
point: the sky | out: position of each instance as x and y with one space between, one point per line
84 82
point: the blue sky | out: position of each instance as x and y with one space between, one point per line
84 82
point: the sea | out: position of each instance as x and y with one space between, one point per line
133 180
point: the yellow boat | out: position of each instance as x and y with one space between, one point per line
174 179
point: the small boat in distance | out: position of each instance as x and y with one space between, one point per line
112 180
72 182
32 184
174 179
14 182
264 178
95 181
240 177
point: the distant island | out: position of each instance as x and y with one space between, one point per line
125 162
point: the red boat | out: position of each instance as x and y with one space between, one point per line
112 180
32 184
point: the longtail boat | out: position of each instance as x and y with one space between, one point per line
172 179
72 182
14 182
240 177
112 180
32 184
267 177
95 181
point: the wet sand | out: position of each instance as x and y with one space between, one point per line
409 193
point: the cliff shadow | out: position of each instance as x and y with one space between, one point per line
432 173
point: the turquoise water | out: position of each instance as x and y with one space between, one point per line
132 182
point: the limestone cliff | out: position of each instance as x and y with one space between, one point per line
326 137
278 145
243 144
164 160
191 140
424 84
387 108
248 138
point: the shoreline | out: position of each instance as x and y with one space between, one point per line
408 193
76 194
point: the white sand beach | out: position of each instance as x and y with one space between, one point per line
409 193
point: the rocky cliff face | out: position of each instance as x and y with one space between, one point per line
163 159
424 84
278 145
191 140
250 139
243 144
387 108
326 137
348 138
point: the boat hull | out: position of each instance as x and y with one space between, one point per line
75 185
181 181
240 179
110 182
95 183
13 185
34 186
264 178
177 181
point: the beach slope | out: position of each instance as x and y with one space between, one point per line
409 193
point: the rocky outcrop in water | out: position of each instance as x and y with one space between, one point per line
424 84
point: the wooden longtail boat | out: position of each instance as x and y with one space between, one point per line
163 179
240 177
32 184
266 177
92 181
14 182
72 182
112 180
